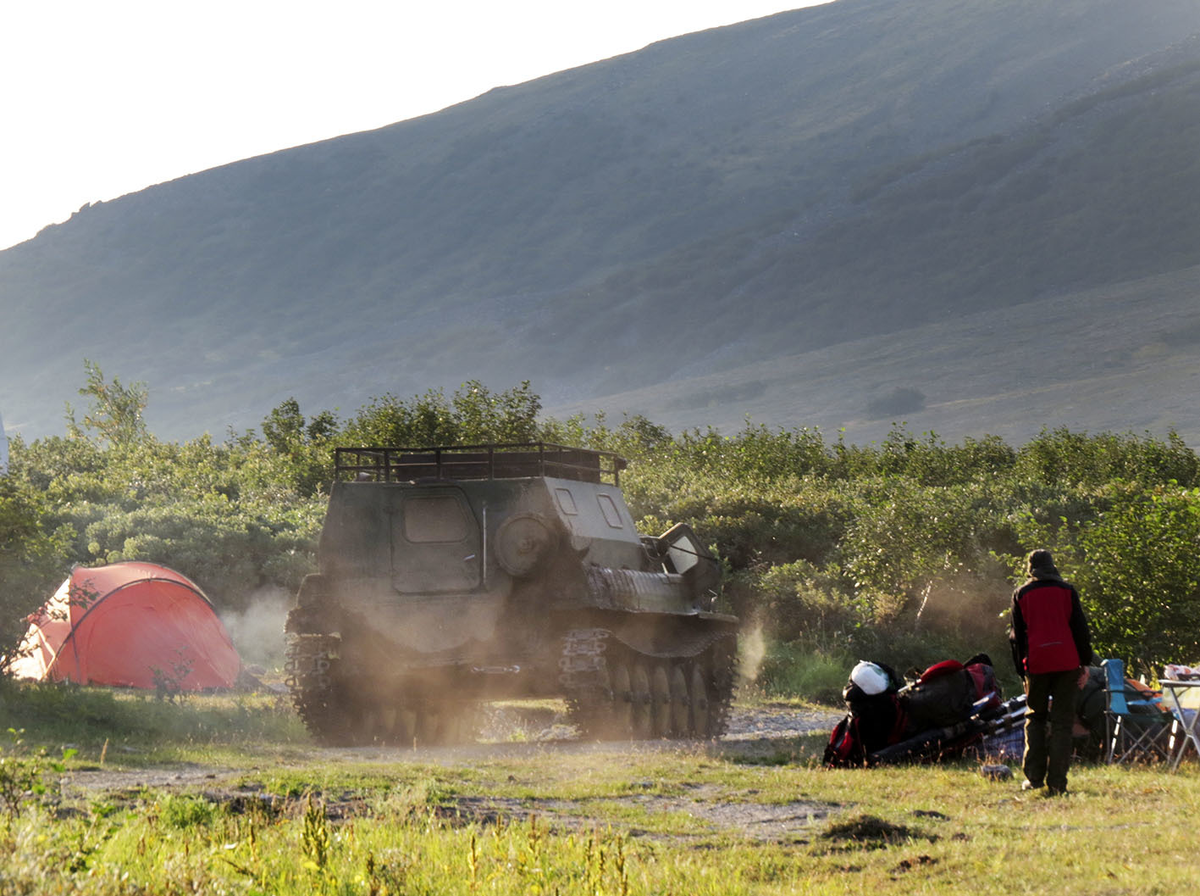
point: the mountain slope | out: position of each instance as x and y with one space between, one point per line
781 185
1121 358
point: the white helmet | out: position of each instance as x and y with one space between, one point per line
870 678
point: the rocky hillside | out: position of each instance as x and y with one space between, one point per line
846 184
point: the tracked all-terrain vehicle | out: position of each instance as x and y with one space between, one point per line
451 576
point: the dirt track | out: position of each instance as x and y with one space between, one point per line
752 731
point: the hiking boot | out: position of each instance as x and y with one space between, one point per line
1057 791
1029 785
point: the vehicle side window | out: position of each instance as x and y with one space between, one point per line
435 519
683 554
566 501
611 515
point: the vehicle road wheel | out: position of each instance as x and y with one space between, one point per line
387 723
698 692
363 727
621 717
642 708
661 702
459 727
398 726
428 729
406 732
679 703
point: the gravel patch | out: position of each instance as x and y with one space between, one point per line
508 724
717 811
773 721
753 732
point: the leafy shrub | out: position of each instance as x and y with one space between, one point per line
33 550
903 551
818 675
799 603
1138 572
474 415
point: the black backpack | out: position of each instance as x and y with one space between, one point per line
874 721
950 692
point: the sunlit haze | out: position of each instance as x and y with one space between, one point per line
104 99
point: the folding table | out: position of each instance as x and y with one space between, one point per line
1187 720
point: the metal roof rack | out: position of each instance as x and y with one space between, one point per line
518 460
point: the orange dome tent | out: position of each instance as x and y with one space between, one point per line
130 624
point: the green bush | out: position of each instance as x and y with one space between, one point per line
1138 570
33 552
904 551
800 603
790 670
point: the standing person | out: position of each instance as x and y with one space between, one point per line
1052 648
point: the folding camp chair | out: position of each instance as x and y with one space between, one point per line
1137 723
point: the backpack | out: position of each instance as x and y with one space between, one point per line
950 692
874 721
845 747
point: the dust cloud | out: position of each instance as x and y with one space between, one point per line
257 631
752 647
969 608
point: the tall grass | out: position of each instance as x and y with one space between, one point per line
791 670
89 718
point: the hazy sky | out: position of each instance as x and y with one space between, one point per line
104 97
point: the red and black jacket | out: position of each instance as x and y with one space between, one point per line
1050 632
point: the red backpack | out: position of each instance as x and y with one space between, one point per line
845 746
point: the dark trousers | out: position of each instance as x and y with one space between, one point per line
1048 727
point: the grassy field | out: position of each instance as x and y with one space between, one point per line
221 795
